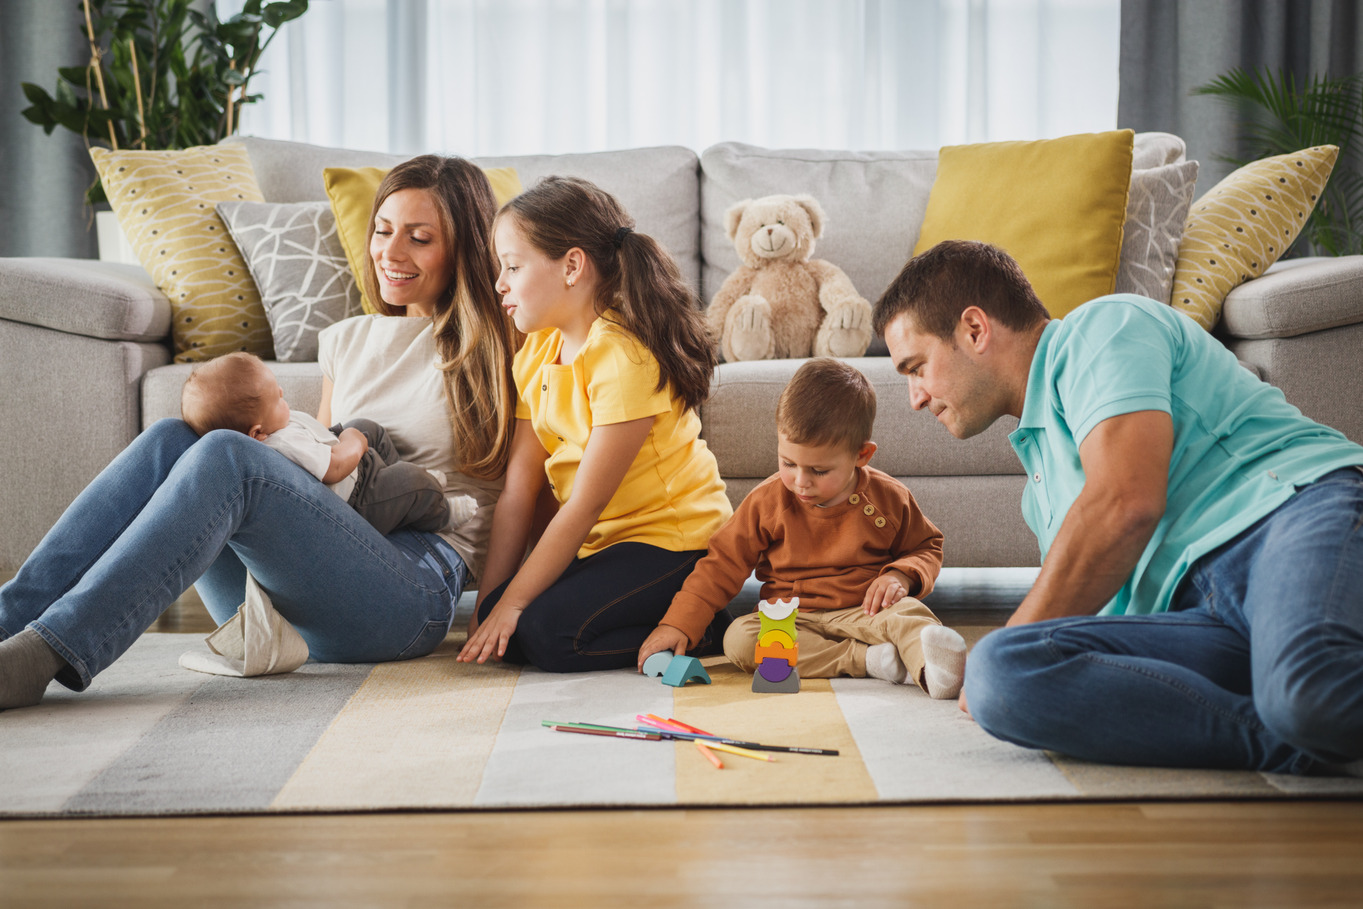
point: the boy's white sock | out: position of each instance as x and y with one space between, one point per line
27 664
462 508
883 662
943 662
437 475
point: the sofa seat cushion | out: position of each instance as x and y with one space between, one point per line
107 300
739 424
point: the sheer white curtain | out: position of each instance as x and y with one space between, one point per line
481 77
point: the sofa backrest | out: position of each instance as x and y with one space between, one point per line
659 186
874 201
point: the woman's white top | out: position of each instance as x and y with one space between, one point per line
384 368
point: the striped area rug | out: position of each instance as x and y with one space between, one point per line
150 738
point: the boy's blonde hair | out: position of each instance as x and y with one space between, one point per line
827 402
224 393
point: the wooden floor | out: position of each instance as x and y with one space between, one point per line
1147 854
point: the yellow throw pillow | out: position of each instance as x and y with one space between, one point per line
352 191
1055 205
165 203
1243 225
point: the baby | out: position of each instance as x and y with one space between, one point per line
845 538
358 461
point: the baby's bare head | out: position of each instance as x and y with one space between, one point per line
228 392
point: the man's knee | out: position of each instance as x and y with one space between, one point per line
986 691
1320 719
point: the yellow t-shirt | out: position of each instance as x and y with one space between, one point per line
671 496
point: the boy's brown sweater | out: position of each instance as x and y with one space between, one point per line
825 556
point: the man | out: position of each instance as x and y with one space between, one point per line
1200 601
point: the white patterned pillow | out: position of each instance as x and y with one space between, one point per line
295 256
1155 211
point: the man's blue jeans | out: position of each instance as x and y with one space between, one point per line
173 508
1257 666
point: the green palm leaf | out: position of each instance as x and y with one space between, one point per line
1281 117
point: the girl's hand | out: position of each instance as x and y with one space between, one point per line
885 591
490 638
664 637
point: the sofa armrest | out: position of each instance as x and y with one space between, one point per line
1296 297
105 300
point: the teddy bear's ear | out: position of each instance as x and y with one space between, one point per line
735 215
816 215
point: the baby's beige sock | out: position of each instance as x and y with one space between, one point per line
27 664
943 662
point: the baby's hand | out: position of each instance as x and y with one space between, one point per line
886 590
351 432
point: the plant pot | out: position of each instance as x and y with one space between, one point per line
113 242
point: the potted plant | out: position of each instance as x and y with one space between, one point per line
162 74
1282 117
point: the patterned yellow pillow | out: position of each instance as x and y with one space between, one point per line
1243 225
352 191
165 203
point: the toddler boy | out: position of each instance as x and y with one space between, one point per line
238 391
845 538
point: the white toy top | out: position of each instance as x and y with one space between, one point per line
776 610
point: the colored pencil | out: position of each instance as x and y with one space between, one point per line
612 733
665 732
658 728
745 752
709 755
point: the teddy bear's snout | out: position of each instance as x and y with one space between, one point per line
773 241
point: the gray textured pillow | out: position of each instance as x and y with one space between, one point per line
1155 212
294 254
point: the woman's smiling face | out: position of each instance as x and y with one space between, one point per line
410 252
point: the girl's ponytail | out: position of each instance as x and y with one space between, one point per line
639 280
656 304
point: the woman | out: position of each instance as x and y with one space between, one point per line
174 509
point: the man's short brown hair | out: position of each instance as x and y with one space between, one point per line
827 402
936 286
224 393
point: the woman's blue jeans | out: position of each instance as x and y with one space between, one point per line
1257 666
173 509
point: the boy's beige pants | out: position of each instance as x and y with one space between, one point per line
833 642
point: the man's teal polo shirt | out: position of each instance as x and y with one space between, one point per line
1240 449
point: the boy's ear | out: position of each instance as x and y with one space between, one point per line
864 454
257 432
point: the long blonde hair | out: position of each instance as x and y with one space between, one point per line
473 334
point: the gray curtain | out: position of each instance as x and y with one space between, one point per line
42 203
1169 47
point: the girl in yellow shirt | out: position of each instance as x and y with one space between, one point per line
615 363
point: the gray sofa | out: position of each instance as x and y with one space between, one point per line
85 362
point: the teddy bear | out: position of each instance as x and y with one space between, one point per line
780 302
